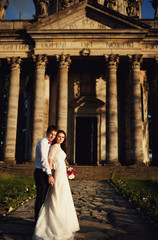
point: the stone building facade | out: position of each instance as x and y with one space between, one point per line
89 67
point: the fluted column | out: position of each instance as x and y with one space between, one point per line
37 133
145 94
154 114
11 128
101 95
53 100
112 110
136 110
62 111
46 104
127 120
2 102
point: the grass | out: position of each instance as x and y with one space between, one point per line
14 191
143 194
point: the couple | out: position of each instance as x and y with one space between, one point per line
55 213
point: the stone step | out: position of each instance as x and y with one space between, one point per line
89 172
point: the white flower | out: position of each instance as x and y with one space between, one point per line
70 168
72 176
10 209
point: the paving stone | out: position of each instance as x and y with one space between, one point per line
93 236
103 215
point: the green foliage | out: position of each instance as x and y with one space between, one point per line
143 194
14 191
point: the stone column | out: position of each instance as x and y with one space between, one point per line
29 114
2 102
112 111
136 110
101 95
53 100
62 111
145 124
154 114
127 118
37 133
46 104
11 128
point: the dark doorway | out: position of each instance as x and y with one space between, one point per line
86 140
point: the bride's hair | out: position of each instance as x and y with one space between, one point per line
64 144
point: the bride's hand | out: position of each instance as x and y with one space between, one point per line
51 181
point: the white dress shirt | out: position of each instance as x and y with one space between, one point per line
41 159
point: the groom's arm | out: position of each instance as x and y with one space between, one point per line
44 161
44 147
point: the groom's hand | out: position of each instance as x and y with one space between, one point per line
51 181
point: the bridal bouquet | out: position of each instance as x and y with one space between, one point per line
71 173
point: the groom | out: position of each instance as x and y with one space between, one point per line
43 175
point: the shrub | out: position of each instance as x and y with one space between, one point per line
143 194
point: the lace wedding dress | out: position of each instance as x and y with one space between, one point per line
57 218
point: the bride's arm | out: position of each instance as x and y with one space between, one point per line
51 156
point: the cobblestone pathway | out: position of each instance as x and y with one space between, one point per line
103 215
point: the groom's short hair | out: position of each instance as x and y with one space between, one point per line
52 128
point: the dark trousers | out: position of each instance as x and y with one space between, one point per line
41 180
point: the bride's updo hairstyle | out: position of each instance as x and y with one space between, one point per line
64 144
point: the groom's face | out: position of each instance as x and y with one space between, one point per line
51 135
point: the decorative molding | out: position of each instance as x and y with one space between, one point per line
77 88
112 60
85 52
65 3
63 60
3 7
111 4
135 60
133 8
14 62
41 7
40 60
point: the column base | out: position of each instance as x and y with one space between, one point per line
9 161
111 163
141 163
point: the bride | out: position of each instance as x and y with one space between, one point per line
57 218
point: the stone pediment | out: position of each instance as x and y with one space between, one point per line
86 15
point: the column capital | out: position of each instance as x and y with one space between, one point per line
135 60
40 60
64 60
112 60
14 62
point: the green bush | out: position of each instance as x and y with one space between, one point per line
14 191
143 194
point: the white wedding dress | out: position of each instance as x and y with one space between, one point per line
57 218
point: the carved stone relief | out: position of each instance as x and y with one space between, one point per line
3 7
41 7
